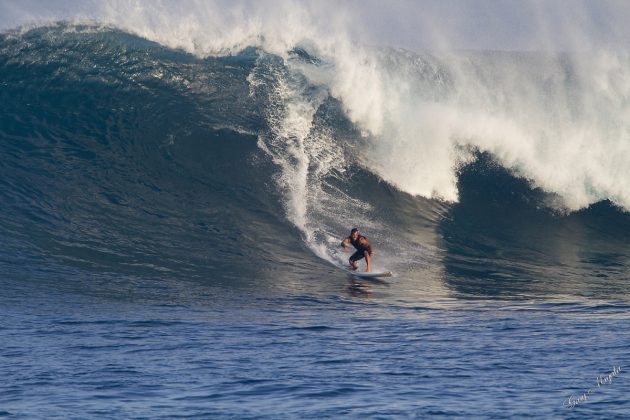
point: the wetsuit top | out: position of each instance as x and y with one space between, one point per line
357 244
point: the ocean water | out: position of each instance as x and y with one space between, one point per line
170 223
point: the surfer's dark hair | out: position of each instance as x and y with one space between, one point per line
353 230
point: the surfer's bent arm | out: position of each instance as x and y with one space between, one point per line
367 246
345 242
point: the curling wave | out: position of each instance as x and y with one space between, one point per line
122 154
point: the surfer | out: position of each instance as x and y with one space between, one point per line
363 247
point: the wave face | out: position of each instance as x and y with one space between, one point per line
124 155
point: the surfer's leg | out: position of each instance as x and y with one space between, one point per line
368 260
354 258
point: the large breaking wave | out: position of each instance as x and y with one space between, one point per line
122 152
556 119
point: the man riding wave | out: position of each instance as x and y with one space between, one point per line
363 247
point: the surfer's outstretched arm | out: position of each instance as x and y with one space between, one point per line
345 242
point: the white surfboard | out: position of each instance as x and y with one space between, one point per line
370 275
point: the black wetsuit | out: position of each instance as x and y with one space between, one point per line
361 248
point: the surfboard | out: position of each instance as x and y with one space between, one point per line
370 275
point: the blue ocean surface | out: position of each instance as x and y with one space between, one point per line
170 228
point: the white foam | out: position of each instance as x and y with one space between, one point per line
308 158
560 122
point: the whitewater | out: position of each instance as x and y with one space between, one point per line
176 178
420 115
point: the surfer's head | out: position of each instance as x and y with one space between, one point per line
354 234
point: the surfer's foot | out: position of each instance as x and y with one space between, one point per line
353 267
